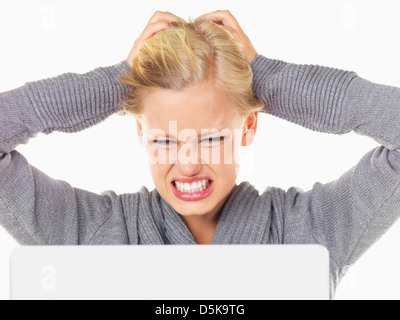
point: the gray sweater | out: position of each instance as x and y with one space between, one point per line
346 216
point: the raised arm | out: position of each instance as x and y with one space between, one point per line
67 103
328 100
350 214
34 208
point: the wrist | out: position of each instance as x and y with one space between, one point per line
252 57
263 68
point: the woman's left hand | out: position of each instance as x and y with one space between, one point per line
158 22
229 22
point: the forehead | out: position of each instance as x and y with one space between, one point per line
198 107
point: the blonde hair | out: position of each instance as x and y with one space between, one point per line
182 56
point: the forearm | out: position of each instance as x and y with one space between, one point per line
34 208
328 100
310 96
350 214
67 103
374 110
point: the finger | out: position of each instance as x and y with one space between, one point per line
233 32
225 17
168 16
154 28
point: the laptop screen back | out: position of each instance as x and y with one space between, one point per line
234 272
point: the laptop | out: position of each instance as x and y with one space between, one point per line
233 272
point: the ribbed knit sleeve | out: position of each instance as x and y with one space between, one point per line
67 103
328 100
310 96
351 213
34 208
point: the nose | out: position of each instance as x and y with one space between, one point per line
189 170
189 163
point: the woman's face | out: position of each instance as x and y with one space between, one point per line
194 133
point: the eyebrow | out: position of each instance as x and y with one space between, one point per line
199 135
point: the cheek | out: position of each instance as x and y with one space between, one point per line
159 174
224 162
223 154
159 157
228 168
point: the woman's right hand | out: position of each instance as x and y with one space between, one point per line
159 21
226 20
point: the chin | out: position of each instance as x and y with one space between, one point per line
192 214
192 209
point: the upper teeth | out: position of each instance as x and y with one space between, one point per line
197 186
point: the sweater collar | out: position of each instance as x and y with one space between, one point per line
239 224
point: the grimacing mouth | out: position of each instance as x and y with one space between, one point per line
174 183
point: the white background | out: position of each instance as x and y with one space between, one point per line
41 39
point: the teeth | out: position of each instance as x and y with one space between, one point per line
197 186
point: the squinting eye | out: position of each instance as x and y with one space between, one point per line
213 141
208 142
163 142
219 139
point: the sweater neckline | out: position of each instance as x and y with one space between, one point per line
233 215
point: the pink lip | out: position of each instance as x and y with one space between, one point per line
196 196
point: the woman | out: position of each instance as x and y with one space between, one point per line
207 77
